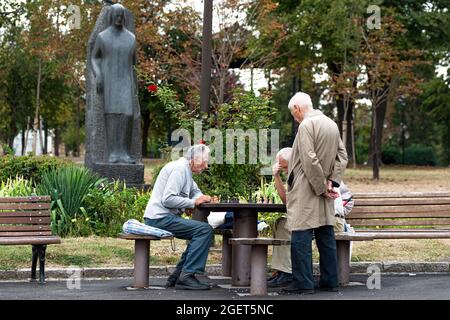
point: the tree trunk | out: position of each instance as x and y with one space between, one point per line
296 87
378 115
36 125
24 132
77 130
57 142
45 150
145 131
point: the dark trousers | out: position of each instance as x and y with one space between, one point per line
301 255
200 234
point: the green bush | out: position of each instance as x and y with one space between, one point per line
391 155
16 187
108 208
28 167
420 155
68 188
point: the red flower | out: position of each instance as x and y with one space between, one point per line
202 141
152 88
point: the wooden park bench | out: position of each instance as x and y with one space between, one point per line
26 220
412 215
141 258
258 281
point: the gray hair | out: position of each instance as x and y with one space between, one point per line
196 151
285 153
300 99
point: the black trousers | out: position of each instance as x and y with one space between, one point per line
301 255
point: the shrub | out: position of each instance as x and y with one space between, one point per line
391 155
108 208
68 188
420 155
28 167
16 187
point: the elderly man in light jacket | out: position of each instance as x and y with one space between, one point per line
316 166
174 192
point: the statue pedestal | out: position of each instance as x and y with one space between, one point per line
131 174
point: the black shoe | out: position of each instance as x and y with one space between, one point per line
188 281
283 279
273 276
172 280
328 289
292 289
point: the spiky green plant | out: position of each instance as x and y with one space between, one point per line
68 188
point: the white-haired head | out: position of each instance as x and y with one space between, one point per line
284 153
302 100
198 157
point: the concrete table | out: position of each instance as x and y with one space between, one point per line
244 226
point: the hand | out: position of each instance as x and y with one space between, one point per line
330 186
276 169
333 195
202 199
215 199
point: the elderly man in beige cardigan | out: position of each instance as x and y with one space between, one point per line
316 166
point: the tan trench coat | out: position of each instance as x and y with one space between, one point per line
318 154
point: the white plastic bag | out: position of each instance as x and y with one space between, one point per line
216 219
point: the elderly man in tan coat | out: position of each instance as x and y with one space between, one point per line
317 163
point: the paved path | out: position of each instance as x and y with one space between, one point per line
396 287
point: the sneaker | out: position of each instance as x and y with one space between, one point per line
188 281
283 279
172 280
293 289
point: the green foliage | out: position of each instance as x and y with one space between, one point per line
391 155
68 188
109 207
420 155
16 187
28 167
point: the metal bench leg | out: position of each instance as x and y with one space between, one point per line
34 259
258 282
141 263
41 252
226 255
343 256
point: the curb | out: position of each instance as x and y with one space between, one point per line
393 268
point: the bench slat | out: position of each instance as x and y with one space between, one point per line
25 206
402 209
40 213
400 201
139 237
29 240
393 215
411 235
402 222
20 220
398 230
259 241
35 227
25 199
401 195
25 233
